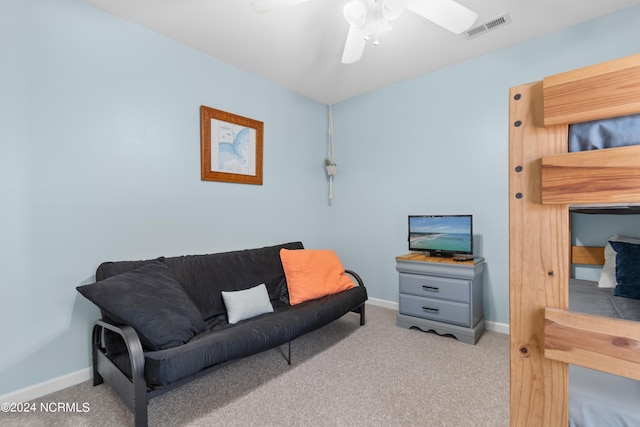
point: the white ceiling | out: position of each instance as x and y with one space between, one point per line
300 47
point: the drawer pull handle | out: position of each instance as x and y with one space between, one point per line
431 310
430 288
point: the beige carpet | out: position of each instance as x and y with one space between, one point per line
342 375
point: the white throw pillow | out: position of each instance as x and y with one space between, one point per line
608 274
247 303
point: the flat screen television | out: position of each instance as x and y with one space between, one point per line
441 235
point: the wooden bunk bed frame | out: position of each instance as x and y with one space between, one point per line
544 180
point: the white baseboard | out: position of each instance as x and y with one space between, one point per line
383 303
501 328
47 387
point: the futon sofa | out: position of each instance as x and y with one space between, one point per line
167 321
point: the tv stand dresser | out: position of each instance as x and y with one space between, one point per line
441 295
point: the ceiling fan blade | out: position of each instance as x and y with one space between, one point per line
354 46
262 6
446 13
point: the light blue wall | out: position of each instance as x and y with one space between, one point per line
99 160
438 144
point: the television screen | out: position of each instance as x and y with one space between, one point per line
441 235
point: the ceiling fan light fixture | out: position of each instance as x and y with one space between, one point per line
391 9
368 18
355 12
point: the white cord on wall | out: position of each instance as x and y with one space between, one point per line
330 161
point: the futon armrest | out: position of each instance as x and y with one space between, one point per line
132 391
360 309
131 340
355 276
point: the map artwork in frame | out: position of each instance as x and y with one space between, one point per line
230 147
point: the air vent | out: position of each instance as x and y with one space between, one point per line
485 27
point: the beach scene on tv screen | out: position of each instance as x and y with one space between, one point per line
440 233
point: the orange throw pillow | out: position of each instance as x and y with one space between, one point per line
313 273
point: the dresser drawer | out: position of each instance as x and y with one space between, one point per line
435 287
435 309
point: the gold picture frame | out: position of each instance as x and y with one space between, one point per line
230 147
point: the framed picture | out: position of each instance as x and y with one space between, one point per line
230 147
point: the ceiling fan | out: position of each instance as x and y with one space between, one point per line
368 18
